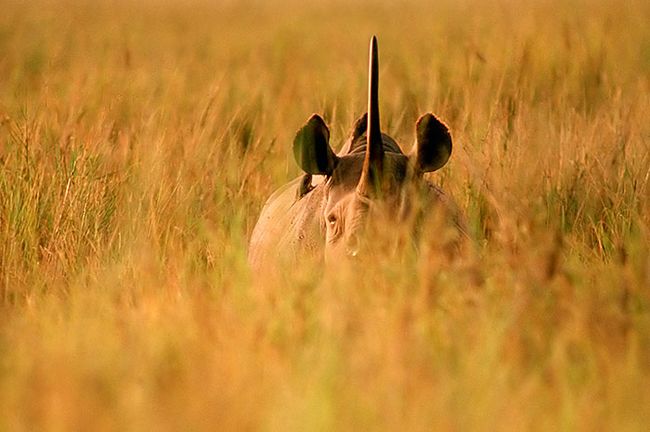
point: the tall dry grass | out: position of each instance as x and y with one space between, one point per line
139 141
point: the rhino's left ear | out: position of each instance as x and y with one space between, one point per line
311 147
433 146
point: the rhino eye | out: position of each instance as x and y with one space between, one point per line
331 220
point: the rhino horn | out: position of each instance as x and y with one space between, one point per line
374 158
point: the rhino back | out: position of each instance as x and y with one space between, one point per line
288 227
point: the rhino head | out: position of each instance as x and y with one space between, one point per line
370 174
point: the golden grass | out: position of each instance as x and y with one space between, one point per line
139 141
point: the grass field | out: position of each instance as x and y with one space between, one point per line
139 141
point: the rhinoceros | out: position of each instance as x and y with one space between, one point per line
324 213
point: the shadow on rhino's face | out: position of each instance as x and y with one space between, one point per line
348 213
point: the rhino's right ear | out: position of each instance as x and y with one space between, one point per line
433 144
311 147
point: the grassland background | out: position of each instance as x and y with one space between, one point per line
139 140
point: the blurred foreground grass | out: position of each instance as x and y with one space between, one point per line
139 141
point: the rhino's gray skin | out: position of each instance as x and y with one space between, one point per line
324 212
